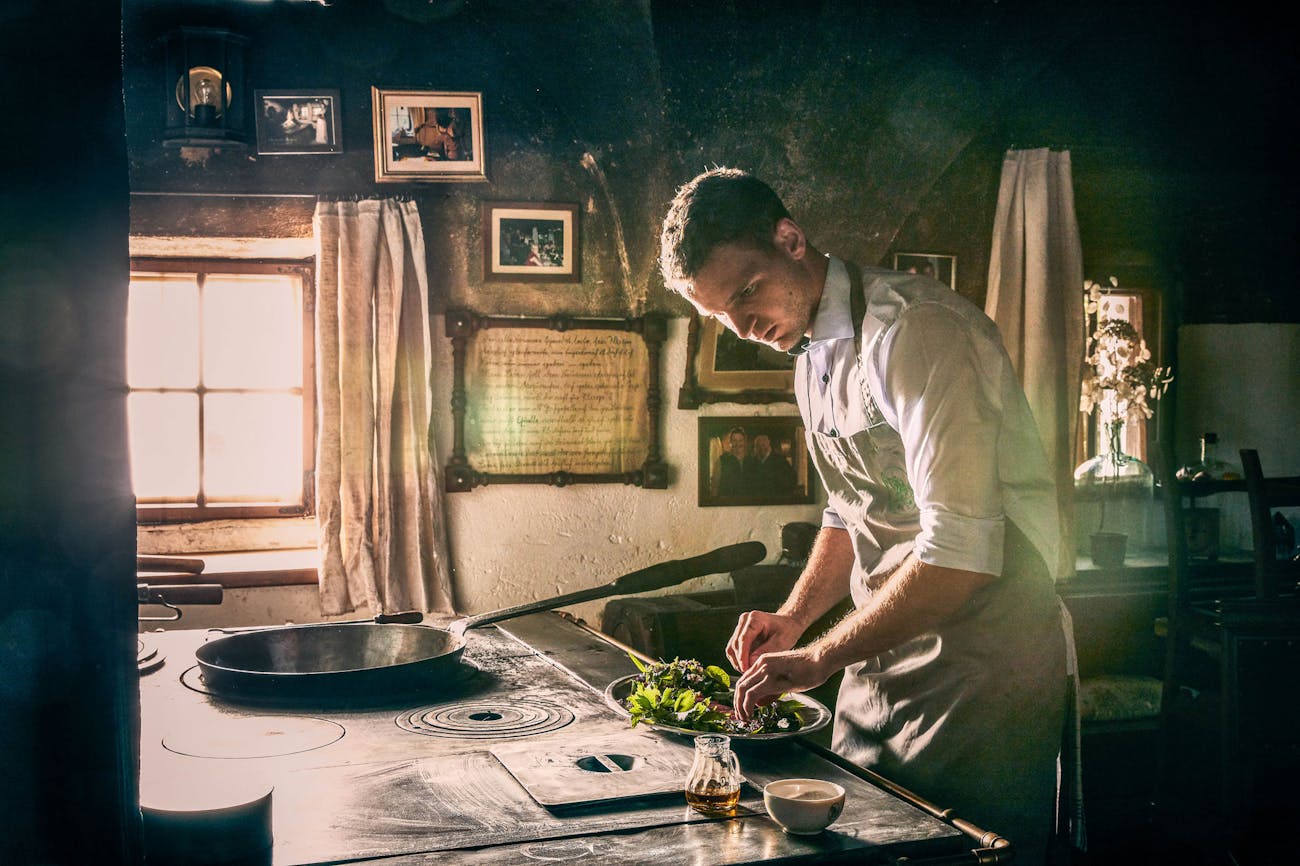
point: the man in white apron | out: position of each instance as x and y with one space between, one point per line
941 514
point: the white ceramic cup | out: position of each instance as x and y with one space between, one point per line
803 806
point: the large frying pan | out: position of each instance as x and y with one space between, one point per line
345 660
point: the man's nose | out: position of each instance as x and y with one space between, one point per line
745 328
729 323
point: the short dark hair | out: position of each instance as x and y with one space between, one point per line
720 206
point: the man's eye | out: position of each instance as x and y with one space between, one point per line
748 290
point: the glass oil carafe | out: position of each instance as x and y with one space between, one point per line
713 785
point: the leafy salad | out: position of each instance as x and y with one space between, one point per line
686 694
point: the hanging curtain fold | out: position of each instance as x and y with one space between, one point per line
1035 295
378 502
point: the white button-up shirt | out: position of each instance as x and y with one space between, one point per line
940 375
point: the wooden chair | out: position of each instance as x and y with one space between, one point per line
1274 571
1229 701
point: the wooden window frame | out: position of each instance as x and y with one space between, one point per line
158 513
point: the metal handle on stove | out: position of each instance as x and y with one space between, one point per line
171 595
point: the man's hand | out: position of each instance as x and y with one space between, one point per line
773 674
759 632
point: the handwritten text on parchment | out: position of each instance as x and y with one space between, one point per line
542 401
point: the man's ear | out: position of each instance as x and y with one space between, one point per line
790 238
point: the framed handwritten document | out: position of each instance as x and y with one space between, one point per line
557 401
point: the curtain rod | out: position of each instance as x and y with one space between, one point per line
144 192
1083 147
306 195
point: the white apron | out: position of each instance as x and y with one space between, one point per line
969 716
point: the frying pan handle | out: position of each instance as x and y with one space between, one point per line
664 574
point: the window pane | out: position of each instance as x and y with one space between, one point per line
1119 305
252 331
252 448
162 331
164 430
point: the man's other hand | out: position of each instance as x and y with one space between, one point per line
759 632
773 674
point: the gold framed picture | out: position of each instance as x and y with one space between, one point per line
427 135
722 368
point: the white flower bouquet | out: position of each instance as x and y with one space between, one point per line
1120 375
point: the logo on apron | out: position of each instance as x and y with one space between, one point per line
900 497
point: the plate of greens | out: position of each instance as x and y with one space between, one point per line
687 697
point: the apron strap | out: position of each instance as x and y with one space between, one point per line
857 303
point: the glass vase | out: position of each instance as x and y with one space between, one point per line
1113 491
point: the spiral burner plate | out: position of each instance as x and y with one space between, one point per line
487 719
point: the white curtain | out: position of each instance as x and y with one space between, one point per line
383 534
1035 296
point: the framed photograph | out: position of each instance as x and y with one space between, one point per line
937 265
525 242
722 368
297 121
753 460
426 135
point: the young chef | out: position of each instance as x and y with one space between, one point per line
940 523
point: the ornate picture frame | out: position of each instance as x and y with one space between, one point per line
428 135
508 406
722 368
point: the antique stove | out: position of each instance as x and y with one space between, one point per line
515 759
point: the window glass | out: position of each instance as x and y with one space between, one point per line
1139 307
164 437
162 331
252 448
221 408
252 331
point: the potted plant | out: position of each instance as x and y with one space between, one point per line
1121 382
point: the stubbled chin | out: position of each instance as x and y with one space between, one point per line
783 344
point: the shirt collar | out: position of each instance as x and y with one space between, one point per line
834 320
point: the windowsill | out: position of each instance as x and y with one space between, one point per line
242 569
1144 570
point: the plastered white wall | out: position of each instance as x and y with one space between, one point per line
1241 381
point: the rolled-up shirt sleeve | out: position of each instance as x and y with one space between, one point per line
939 394
831 519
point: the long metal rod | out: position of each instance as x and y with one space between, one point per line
991 849
196 194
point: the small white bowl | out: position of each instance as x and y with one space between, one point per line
803 806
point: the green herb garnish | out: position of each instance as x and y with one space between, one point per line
686 694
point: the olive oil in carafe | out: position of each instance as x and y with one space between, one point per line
713 785
714 798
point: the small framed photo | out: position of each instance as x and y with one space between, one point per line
754 460
531 242
297 121
934 265
426 135
722 368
